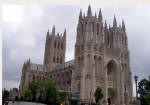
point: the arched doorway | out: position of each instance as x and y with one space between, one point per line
111 80
125 98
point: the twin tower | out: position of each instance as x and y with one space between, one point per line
55 48
90 29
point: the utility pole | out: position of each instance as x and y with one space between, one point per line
136 78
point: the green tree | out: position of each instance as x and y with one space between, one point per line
31 90
27 94
134 102
50 94
113 93
33 87
98 95
143 87
147 97
5 94
62 95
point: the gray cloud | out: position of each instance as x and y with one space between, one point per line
27 38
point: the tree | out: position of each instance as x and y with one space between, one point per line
134 102
144 86
98 94
27 94
50 94
113 93
5 94
147 97
62 96
31 90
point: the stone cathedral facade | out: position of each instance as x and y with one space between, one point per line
101 59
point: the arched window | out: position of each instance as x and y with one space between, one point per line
60 60
57 60
93 27
58 45
82 29
33 77
108 39
54 59
55 44
97 28
62 46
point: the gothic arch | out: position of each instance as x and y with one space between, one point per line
98 66
112 76
78 86
111 67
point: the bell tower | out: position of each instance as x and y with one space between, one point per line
89 39
55 47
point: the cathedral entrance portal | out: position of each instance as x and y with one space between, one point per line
111 81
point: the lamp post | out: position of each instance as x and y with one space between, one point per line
90 97
136 78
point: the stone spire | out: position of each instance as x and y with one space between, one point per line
47 36
29 60
64 35
89 12
80 15
114 22
105 25
123 26
100 15
53 30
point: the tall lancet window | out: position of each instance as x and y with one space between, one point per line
93 27
58 45
57 60
108 39
97 28
82 29
62 46
55 44
60 60
54 59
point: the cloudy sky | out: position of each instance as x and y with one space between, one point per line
24 30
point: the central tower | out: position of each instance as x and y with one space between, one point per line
88 54
101 60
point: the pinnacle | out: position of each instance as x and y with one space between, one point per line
123 25
64 33
53 30
114 22
89 11
100 15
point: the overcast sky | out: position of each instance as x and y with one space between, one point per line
24 29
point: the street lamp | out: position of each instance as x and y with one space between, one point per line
136 78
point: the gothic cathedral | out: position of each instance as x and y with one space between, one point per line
101 60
